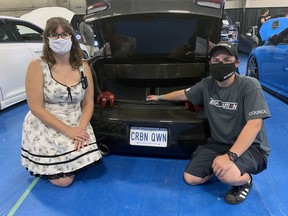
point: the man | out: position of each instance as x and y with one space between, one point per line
87 36
235 108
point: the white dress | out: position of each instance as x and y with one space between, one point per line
44 150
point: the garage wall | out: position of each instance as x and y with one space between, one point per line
17 8
235 8
232 4
77 6
248 16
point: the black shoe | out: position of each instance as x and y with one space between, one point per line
238 194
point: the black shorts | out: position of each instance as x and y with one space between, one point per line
252 161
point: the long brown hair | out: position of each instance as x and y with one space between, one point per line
75 52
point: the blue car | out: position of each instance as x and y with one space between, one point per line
269 63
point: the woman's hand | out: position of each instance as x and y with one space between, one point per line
79 144
79 135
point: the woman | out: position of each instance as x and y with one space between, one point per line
260 21
57 138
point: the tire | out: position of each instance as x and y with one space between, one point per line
252 68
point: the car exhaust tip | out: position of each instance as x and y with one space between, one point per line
104 149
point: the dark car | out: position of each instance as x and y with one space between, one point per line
151 47
249 40
269 63
229 30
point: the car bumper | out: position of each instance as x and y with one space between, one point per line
186 129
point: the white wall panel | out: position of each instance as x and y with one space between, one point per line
235 4
78 6
255 3
266 3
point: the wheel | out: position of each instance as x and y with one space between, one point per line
252 67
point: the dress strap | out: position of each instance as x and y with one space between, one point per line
45 68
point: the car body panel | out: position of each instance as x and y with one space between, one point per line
148 49
272 27
274 69
13 76
125 7
39 16
20 42
249 40
272 61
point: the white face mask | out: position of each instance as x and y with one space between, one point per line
60 46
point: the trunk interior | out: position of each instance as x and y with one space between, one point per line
134 82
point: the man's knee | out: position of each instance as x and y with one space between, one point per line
192 180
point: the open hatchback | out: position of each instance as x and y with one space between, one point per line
151 47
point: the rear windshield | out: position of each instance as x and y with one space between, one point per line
155 37
163 37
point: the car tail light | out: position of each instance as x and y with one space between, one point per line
100 6
211 3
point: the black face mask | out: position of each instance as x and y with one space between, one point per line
221 71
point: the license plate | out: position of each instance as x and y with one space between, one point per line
146 136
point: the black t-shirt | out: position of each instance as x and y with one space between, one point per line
259 24
229 108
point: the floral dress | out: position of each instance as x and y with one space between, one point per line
47 152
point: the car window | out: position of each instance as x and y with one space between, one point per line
284 38
28 34
250 30
226 20
5 34
159 37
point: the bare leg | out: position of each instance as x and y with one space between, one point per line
63 182
194 180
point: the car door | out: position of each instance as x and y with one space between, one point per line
21 43
275 70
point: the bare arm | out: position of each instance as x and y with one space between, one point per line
84 41
172 96
222 163
35 97
247 136
88 100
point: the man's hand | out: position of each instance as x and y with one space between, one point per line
221 165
